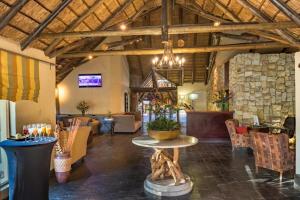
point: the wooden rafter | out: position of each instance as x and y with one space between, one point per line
283 33
204 49
45 23
212 58
194 55
289 12
74 24
11 13
180 29
243 36
84 41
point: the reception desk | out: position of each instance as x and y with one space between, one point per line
208 125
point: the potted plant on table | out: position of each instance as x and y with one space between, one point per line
221 99
63 147
163 128
83 106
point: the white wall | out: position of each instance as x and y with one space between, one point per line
109 97
200 104
44 110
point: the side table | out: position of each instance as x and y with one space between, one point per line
167 178
29 167
111 123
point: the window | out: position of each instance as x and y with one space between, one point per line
7 125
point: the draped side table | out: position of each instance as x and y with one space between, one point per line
167 178
29 167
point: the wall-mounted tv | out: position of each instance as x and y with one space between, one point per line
89 80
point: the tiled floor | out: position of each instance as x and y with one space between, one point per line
115 169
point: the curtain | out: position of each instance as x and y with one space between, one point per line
19 77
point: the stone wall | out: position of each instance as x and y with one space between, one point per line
263 85
216 83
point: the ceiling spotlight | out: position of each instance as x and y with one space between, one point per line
90 57
123 27
217 23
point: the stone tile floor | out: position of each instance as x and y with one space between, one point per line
115 169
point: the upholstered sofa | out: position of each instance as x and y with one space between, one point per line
127 123
85 121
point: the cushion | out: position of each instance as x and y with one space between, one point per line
241 130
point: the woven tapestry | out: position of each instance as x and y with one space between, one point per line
19 77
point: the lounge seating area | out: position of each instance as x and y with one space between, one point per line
149 99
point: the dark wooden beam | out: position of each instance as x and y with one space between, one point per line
74 24
44 24
122 43
11 13
288 11
283 33
194 55
102 26
138 89
212 58
235 18
203 49
164 20
174 30
244 36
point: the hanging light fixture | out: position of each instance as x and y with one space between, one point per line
168 61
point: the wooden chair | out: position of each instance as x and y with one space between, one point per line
237 140
271 151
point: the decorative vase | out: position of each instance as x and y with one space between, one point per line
62 167
83 112
163 135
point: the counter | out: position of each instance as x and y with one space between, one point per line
208 124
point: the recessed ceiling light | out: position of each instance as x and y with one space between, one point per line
217 23
123 27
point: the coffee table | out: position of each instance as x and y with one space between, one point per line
167 178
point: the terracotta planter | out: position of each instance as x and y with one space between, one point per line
62 167
164 135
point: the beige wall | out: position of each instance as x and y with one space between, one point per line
44 110
297 88
186 89
109 97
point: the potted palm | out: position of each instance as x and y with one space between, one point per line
82 106
163 128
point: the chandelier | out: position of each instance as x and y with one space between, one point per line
168 61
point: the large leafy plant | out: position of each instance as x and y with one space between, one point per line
163 124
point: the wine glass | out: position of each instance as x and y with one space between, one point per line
35 130
48 130
44 129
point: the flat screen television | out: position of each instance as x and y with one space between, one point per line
89 80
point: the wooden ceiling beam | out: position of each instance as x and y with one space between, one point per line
204 49
289 12
74 24
45 23
243 36
84 41
180 29
283 33
16 7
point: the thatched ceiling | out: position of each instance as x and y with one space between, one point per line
33 17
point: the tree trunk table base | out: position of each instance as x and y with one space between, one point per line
166 178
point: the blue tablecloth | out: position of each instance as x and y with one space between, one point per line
29 142
29 167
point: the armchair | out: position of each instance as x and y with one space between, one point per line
237 140
271 151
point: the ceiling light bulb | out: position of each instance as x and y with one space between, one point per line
217 23
154 61
123 27
90 57
166 58
170 63
183 60
177 58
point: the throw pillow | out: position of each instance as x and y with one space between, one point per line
241 130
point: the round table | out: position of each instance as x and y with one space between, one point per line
29 167
167 178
